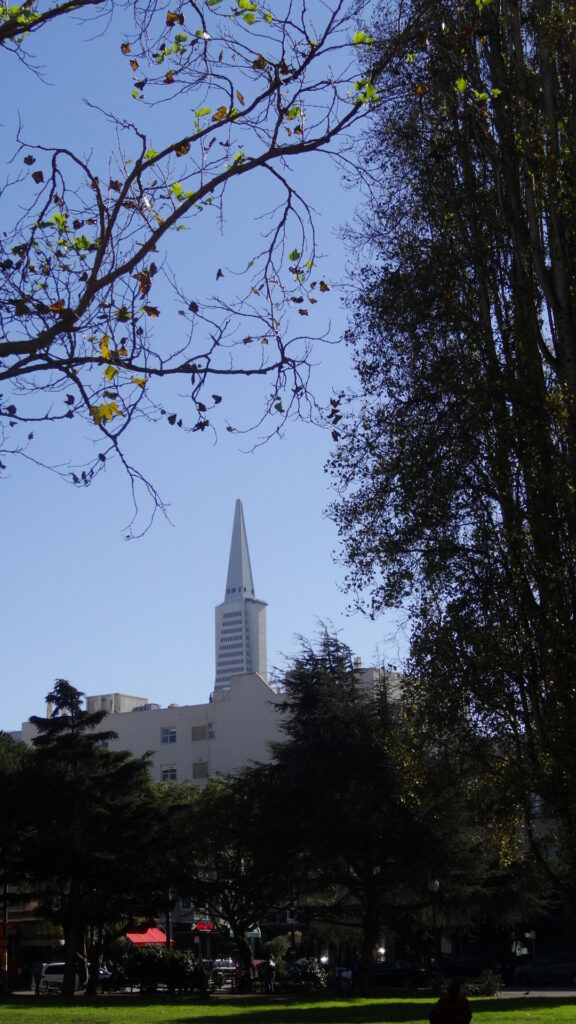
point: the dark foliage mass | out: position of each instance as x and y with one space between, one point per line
457 463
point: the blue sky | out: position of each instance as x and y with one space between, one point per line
79 601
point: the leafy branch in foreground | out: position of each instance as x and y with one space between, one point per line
85 275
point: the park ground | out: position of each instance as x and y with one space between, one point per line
541 1009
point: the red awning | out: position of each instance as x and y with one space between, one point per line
151 937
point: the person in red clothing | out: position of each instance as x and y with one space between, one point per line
453 1008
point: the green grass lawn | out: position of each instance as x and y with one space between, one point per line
143 1010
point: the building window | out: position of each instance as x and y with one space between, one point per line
168 736
168 773
200 770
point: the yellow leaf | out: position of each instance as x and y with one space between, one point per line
104 347
110 372
106 411
140 381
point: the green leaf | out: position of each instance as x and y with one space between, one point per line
204 111
150 154
176 189
249 18
362 37
294 255
461 84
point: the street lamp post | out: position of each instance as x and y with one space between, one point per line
433 889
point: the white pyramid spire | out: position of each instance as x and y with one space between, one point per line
241 618
239 582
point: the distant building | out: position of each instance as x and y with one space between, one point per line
241 618
196 742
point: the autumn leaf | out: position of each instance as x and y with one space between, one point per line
324 287
57 306
134 64
29 160
219 274
421 89
125 48
240 98
152 311
174 18
182 148
303 312
140 381
106 411
220 114
247 340
260 63
144 281
193 307
38 177
115 185
169 80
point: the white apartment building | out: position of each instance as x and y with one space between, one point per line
195 742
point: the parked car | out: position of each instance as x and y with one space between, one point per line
401 973
52 978
550 968
225 964
471 966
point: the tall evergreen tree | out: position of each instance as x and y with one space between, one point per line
457 472
89 856
365 818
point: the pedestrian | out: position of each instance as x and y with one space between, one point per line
37 975
270 974
356 980
453 1008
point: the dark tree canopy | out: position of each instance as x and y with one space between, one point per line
368 817
457 463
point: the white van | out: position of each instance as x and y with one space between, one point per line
52 978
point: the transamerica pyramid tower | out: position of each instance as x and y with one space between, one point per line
241 619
